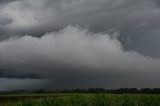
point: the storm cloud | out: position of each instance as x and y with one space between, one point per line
137 20
81 43
73 54
23 84
99 15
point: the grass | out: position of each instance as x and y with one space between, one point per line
91 100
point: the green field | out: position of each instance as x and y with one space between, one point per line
80 100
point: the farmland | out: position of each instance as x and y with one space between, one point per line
80 99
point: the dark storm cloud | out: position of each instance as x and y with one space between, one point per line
6 1
23 84
157 2
8 74
74 57
99 15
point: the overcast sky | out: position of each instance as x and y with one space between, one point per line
62 44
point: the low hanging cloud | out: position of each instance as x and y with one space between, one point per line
24 84
76 57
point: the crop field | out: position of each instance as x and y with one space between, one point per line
80 100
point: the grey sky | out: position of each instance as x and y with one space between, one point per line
70 41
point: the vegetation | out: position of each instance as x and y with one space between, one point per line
89 90
81 99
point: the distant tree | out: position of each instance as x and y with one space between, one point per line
127 90
96 90
146 90
39 91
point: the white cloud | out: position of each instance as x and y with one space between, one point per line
71 49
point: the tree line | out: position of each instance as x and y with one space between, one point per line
91 90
